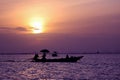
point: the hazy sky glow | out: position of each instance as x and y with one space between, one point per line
69 25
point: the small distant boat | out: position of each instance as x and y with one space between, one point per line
71 59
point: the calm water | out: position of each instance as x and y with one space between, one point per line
91 67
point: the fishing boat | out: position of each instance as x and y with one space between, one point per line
71 59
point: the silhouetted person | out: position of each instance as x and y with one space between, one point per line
54 54
44 56
44 51
97 52
67 57
35 57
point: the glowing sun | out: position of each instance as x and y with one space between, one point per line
37 26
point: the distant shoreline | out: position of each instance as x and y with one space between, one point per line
60 53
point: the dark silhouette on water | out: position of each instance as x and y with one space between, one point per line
55 54
44 51
97 52
35 57
67 57
44 59
71 59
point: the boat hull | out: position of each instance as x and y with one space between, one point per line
72 59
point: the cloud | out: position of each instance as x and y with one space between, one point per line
5 28
21 29
14 29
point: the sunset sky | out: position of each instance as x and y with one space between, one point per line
60 25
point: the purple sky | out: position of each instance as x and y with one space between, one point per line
70 25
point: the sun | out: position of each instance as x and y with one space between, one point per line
37 26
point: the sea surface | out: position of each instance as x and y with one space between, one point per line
90 67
